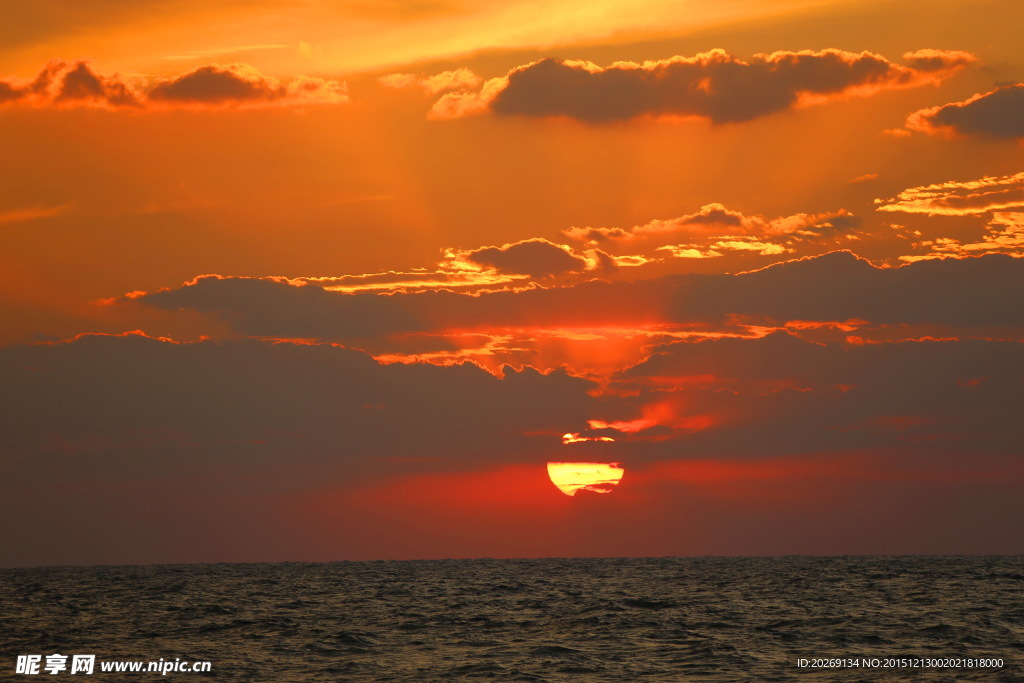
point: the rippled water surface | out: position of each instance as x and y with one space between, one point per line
669 619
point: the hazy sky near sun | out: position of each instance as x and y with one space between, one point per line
336 280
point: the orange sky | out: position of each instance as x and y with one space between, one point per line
307 260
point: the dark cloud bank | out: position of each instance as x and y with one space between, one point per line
834 287
997 114
132 449
714 85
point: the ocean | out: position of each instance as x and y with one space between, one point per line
659 619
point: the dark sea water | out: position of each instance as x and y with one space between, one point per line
668 619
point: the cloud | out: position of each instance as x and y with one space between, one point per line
71 84
713 216
537 258
719 247
75 84
715 231
938 60
1007 229
763 248
1004 234
1000 197
272 307
34 213
712 85
341 403
714 219
240 84
779 395
960 198
104 424
455 80
954 293
452 278
997 114
256 441
454 105
81 84
482 269
841 286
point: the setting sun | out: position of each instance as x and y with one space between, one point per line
597 477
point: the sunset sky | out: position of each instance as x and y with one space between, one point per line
337 280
